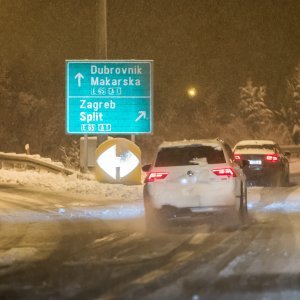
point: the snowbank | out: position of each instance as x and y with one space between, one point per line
62 183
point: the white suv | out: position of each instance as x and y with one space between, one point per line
189 177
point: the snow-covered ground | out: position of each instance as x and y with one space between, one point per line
67 196
86 197
268 249
71 183
88 185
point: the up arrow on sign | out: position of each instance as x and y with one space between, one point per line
79 76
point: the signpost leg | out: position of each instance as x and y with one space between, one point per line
85 146
101 139
133 138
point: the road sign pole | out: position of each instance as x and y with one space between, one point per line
85 147
101 43
133 138
101 30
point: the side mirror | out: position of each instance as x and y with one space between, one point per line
245 163
146 168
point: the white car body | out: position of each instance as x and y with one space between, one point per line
196 186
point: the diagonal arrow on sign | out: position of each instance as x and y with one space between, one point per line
117 166
142 114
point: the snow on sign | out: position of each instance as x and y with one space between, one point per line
108 97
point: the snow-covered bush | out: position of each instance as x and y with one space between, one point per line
253 108
70 155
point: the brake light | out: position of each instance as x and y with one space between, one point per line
237 157
153 176
229 172
272 158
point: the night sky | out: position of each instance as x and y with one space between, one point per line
218 43
203 43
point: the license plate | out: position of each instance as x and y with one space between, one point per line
255 162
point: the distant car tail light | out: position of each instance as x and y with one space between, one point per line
272 158
237 157
229 172
153 176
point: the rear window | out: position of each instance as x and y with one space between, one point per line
182 156
264 146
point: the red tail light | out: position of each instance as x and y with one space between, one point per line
229 172
153 176
272 158
237 157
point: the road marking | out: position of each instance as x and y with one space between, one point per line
198 238
20 254
151 276
107 238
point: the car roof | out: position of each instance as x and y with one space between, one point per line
205 142
256 142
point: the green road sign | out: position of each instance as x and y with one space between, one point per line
108 97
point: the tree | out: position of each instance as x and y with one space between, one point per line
290 112
32 115
253 108
7 112
23 119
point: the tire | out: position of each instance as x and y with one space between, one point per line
284 179
243 207
287 180
277 180
246 199
154 221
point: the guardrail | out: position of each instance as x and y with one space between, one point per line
33 162
294 149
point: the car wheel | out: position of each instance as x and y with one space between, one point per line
153 219
246 199
243 207
284 179
287 180
277 180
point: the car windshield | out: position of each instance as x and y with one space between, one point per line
150 149
263 146
188 155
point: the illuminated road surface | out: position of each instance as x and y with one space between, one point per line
54 247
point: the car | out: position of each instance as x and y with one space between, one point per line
191 177
268 165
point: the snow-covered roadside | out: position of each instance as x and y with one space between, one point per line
62 183
88 186
283 199
295 166
69 197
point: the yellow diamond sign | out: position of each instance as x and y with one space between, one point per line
118 160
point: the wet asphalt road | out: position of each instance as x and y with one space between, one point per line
48 250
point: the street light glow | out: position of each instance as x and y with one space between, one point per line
192 92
